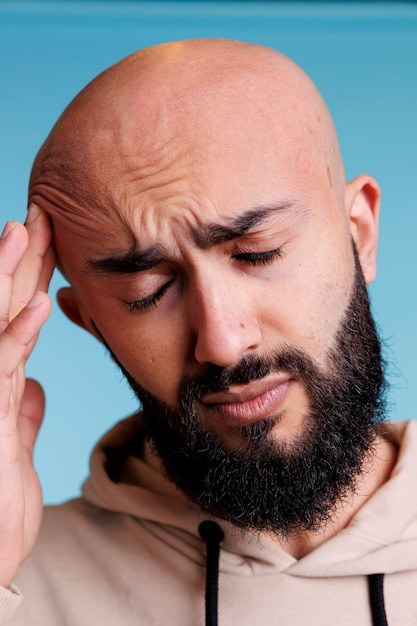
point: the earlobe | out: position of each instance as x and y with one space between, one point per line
71 305
362 199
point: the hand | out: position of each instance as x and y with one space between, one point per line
26 266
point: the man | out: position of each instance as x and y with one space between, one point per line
200 212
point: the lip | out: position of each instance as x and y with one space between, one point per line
244 404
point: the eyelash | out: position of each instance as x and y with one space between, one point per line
150 301
253 258
259 258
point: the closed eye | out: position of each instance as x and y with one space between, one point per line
144 304
259 258
251 258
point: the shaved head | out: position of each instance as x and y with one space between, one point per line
135 118
201 214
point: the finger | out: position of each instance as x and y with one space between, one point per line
13 243
14 342
44 280
29 270
43 285
31 413
49 264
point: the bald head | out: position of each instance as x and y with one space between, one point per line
200 97
200 212
201 216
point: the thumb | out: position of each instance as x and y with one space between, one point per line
31 414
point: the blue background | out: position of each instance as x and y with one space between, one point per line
363 58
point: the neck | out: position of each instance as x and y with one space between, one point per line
378 471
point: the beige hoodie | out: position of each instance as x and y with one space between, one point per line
128 553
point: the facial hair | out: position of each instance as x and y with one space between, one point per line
268 484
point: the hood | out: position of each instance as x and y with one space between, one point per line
382 537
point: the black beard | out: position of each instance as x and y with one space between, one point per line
269 485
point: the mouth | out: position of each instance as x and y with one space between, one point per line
244 404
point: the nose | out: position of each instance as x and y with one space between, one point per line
225 323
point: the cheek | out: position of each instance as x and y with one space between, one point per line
152 348
305 310
326 313
152 353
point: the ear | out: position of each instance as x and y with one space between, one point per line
362 198
71 305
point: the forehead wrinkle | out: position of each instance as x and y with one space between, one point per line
204 236
208 235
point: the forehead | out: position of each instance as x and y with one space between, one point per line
202 195
192 188
159 160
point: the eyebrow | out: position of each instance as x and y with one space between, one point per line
204 236
209 235
130 262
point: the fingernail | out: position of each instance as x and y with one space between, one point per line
33 213
37 299
7 229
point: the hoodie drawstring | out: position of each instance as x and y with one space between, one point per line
212 535
376 598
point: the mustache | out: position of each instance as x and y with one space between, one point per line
250 368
